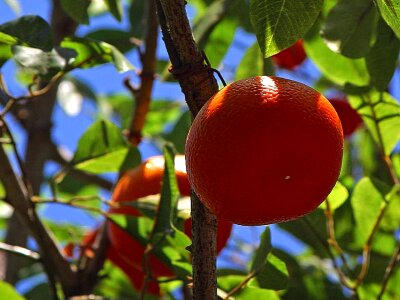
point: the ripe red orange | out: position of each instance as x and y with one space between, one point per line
349 118
290 57
264 150
140 182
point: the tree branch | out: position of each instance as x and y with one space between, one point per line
198 84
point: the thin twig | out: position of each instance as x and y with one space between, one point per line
240 285
20 251
394 260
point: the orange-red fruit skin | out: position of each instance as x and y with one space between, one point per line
290 57
349 118
264 150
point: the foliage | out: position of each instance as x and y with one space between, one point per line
350 244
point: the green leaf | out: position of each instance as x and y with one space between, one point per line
382 59
32 31
335 67
115 7
102 149
45 64
262 251
171 249
161 113
390 11
367 200
6 39
337 197
77 10
118 38
179 132
217 41
273 276
381 114
253 63
14 5
349 26
92 53
279 24
166 214
5 54
8 292
136 13
391 219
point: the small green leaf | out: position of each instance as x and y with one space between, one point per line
349 26
115 7
262 251
253 63
8 292
6 39
102 149
337 197
14 5
45 64
273 276
381 114
279 24
367 200
136 13
77 10
92 53
391 219
335 67
166 214
382 59
5 54
390 11
118 38
32 31
161 113
179 132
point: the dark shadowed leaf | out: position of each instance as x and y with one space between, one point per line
118 38
349 26
279 24
273 276
254 64
382 59
179 132
262 251
136 13
115 7
32 31
77 10
333 66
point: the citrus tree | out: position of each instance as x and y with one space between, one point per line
319 162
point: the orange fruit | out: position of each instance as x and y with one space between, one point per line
349 117
140 182
264 150
290 57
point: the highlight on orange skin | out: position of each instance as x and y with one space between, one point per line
291 57
348 116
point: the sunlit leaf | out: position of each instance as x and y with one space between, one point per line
349 26
92 53
102 149
337 197
367 200
381 114
8 292
390 11
279 24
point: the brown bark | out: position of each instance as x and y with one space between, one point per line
198 84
